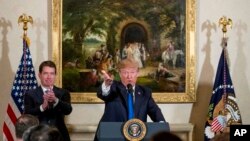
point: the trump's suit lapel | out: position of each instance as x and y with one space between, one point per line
124 98
123 92
138 100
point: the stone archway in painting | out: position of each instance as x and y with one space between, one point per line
134 32
133 25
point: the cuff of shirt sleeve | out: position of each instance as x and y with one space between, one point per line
56 102
41 108
105 89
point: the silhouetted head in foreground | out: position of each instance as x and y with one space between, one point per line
24 122
165 136
42 133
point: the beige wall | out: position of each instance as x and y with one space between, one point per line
208 52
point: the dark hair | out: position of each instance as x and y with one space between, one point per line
165 136
23 123
42 132
48 64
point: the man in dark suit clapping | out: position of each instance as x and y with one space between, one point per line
48 102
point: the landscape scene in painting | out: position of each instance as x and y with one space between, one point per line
97 34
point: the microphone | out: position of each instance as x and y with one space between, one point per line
130 88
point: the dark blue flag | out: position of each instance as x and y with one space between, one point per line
223 109
25 79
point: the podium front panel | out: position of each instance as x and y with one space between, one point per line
112 131
155 127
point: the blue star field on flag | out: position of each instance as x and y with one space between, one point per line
25 78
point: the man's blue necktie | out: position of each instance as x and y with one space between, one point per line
130 106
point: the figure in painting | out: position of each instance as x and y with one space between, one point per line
170 50
137 54
143 54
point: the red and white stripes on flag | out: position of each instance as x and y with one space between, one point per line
25 79
218 124
10 120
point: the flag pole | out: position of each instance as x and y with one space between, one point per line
26 43
25 79
224 21
223 109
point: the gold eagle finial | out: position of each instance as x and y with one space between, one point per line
225 22
25 20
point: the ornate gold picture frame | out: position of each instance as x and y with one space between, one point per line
187 92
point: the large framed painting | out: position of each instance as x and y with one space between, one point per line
93 35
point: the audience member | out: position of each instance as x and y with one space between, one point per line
23 123
42 132
165 136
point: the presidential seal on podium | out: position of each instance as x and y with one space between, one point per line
134 130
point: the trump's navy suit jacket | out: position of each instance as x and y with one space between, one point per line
116 108
54 116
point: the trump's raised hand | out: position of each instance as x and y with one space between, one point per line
107 78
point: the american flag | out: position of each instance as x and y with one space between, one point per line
223 109
25 79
